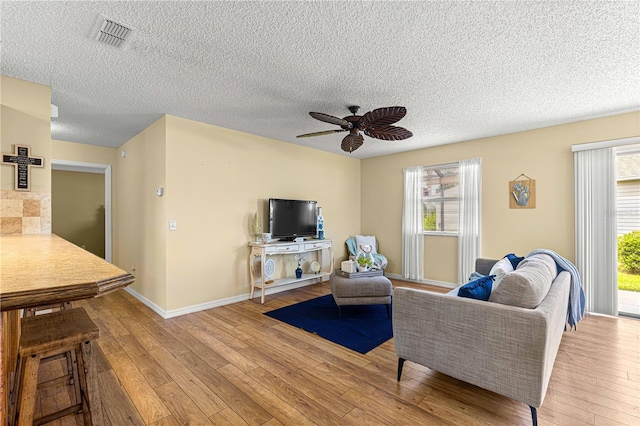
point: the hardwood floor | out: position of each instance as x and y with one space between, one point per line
234 366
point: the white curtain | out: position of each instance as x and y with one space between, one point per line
596 243
469 241
412 225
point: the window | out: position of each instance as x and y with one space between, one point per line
441 192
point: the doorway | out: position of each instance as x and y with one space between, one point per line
81 205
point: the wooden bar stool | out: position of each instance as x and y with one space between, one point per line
53 307
46 336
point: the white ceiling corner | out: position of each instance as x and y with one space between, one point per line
463 70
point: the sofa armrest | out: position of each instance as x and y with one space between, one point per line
505 349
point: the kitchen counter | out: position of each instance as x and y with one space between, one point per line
38 270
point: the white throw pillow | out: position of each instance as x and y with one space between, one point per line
367 239
501 267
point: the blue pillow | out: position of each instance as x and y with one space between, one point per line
479 289
514 259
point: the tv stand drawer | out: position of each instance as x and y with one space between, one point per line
289 248
317 245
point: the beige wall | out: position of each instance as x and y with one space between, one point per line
440 260
83 153
216 178
544 155
77 209
25 120
140 238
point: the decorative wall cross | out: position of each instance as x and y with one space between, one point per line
22 163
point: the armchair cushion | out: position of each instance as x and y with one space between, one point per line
367 239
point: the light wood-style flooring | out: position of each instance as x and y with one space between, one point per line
233 365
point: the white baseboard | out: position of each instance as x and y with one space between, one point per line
429 282
148 303
214 303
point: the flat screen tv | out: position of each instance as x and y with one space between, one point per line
289 219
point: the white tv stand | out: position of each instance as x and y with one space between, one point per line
262 250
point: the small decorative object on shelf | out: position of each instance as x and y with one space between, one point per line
300 259
269 268
320 224
256 227
315 266
364 258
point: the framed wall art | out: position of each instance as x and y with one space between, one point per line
522 193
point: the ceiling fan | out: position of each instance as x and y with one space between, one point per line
375 124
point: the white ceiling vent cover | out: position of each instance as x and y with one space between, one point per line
113 33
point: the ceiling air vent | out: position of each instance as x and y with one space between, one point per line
113 33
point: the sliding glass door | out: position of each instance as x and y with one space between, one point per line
628 228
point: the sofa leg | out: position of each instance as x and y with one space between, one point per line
400 365
534 416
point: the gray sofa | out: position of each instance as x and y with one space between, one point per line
506 349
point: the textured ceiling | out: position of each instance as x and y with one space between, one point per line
463 70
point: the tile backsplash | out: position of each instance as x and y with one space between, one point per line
23 212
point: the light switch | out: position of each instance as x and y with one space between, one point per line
173 225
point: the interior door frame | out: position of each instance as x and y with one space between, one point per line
105 169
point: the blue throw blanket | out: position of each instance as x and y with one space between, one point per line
575 311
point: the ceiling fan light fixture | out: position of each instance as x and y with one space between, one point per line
375 124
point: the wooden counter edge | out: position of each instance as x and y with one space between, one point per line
115 283
27 299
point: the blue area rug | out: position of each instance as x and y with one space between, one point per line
361 328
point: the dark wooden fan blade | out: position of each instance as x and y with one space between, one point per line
331 119
352 142
388 133
326 132
382 117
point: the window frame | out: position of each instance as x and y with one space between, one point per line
455 165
